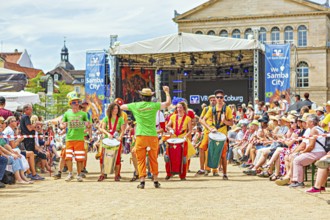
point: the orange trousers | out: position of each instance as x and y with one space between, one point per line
141 144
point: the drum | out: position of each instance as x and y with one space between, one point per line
110 152
215 147
175 155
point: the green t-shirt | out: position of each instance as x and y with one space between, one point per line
119 123
145 116
76 125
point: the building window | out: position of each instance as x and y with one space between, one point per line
198 32
247 33
236 33
302 36
302 75
211 33
262 35
288 35
55 77
77 89
223 33
275 35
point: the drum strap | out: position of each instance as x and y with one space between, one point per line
177 128
215 115
113 130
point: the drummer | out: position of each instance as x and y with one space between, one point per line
180 127
221 117
113 128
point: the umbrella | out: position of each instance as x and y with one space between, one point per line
298 105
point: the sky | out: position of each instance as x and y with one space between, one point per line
39 26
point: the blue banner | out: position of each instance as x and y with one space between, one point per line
277 71
95 89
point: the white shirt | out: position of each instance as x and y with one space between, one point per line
9 131
159 119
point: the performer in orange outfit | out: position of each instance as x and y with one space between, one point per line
146 135
180 125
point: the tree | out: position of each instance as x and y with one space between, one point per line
34 86
60 100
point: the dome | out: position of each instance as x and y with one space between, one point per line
65 65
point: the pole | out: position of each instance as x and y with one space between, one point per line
113 70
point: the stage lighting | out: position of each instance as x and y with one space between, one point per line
193 60
231 68
240 57
160 71
246 70
173 60
213 59
152 61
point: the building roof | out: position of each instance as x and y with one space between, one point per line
313 5
30 72
11 57
66 65
66 76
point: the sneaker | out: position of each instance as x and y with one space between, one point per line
322 188
200 173
65 169
57 176
37 177
29 175
244 158
69 178
157 184
297 184
167 177
141 185
313 190
79 178
323 164
216 174
84 171
83 175
207 172
225 177
149 175
250 172
2 185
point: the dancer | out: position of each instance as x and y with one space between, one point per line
146 134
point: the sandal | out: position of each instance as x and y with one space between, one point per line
225 177
135 177
101 178
264 174
274 177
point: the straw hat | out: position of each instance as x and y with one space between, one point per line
251 107
291 117
254 122
320 109
146 92
210 97
236 128
285 119
267 104
304 117
272 111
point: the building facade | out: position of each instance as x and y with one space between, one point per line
303 24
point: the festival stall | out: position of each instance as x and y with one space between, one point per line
18 99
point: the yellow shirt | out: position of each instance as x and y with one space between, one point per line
326 121
209 116
184 128
124 115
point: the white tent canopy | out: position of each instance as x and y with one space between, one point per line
18 99
186 43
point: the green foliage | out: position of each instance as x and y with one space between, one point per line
34 86
60 100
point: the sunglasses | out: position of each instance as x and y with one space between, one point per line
219 97
75 102
13 121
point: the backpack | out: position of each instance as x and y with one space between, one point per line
8 178
326 146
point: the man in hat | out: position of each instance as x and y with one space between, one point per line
320 113
76 121
4 112
146 133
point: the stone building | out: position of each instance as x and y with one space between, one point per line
304 24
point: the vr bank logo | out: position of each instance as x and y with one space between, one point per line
194 99
277 53
94 60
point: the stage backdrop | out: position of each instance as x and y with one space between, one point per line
135 80
95 89
236 91
277 72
